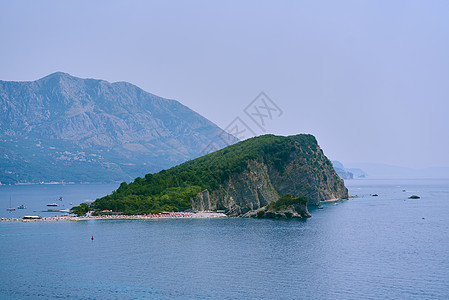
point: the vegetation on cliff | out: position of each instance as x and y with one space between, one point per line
286 201
288 206
174 189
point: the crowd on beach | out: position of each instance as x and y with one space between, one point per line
121 217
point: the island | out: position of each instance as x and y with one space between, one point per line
237 180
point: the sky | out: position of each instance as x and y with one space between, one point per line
370 79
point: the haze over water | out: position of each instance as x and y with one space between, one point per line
367 78
367 247
372 74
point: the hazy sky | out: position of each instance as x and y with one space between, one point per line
370 79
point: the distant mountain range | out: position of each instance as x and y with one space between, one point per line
347 173
379 171
64 128
383 171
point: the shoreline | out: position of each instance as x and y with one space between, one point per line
198 215
334 200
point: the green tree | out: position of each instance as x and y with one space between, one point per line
80 210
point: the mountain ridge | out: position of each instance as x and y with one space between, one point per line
112 126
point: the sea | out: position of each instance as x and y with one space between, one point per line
368 247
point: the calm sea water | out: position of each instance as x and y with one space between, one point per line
364 248
36 197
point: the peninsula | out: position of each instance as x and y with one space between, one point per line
237 180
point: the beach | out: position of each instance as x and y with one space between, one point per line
181 215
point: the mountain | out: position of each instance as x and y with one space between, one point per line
345 173
64 128
384 171
340 169
237 179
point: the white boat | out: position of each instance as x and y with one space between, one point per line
21 206
52 204
10 208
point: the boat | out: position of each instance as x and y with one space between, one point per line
320 207
414 197
60 198
21 206
52 204
10 208
374 195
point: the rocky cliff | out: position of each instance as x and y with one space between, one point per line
305 171
100 131
286 207
241 178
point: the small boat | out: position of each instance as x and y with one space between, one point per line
10 208
374 195
414 197
320 206
21 206
60 198
52 204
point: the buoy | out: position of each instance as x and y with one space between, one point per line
92 238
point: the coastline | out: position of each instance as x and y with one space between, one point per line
334 200
198 215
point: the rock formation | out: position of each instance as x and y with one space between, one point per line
238 179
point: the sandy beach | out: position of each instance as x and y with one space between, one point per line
197 215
